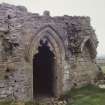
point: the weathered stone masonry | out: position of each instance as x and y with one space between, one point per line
71 39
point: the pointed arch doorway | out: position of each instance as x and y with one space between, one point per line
43 71
57 48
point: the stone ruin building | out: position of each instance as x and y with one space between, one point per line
41 55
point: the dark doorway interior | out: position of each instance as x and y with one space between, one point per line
43 73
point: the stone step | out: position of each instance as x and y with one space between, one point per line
49 101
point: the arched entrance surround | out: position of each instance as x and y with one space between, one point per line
92 48
58 49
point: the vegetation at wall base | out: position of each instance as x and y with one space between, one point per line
88 95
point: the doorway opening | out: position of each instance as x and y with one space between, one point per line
43 71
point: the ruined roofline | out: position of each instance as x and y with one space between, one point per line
45 13
20 12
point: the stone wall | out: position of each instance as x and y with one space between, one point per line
72 39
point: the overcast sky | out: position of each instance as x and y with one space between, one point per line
93 8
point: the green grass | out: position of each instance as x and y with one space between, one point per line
89 95
6 103
103 68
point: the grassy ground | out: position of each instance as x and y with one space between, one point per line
103 68
89 95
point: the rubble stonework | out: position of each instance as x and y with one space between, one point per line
71 38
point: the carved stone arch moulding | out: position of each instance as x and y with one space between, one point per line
53 38
84 42
92 49
55 41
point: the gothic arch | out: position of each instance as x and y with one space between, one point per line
91 47
53 37
84 42
58 48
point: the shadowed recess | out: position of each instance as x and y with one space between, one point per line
43 73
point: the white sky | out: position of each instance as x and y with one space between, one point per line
93 8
